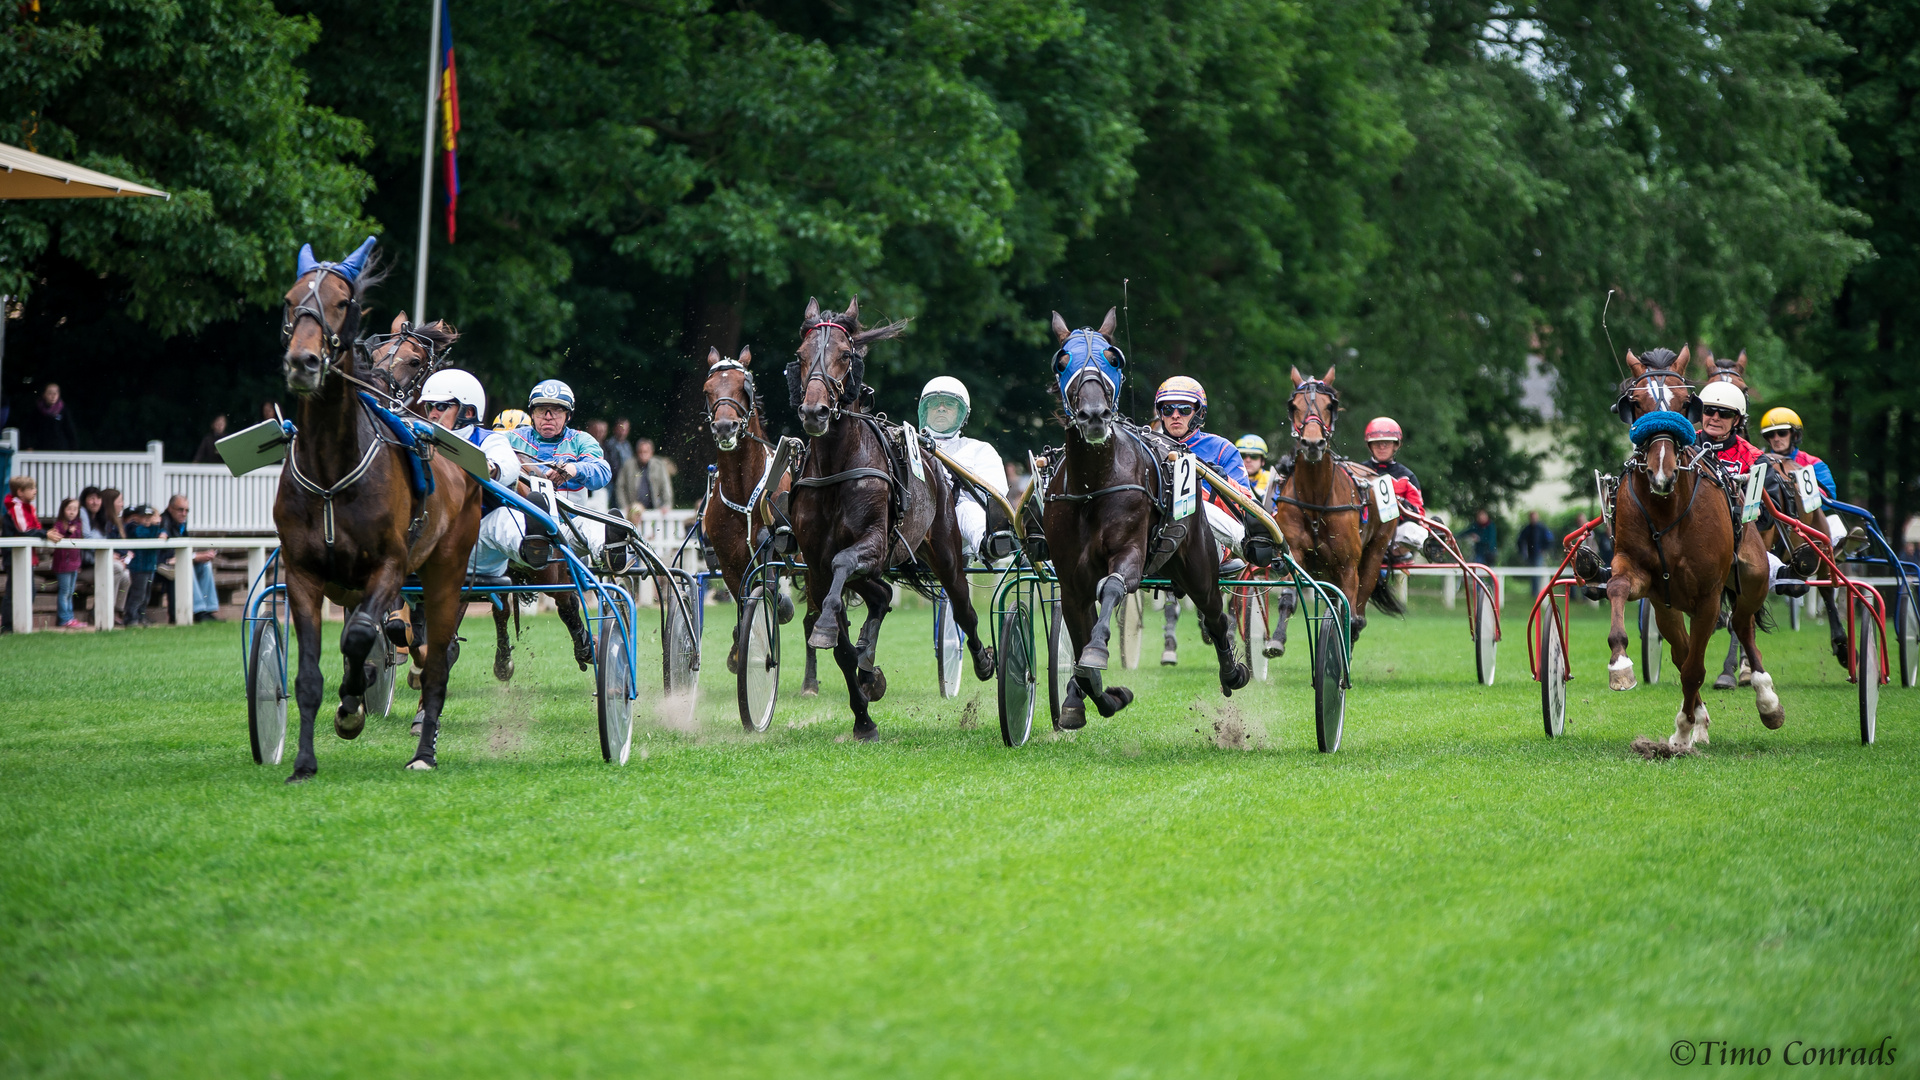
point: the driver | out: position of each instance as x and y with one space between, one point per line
572 460
1383 442
944 405
1723 415
1182 405
1253 456
1782 430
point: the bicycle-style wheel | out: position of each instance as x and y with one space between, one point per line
611 683
759 677
1130 614
1485 632
1253 623
1016 675
1329 690
1553 676
949 648
1059 665
1649 644
1906 627
267 693
379 697
679 643
1866 669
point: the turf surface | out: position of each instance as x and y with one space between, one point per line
1450 894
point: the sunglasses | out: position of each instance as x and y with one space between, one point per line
1715 410
1176 410
436 406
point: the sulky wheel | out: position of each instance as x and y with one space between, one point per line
1866 669
379 697
611 679
1059 665
1131 617
1329 690
1649 644
1553 677
1486 643
759 677
1253 616
949 648
679 642
1906 628
1016 675
267 694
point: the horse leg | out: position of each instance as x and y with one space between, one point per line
1285 602
1730 669
1772 714
848 657
1348 578
1093 658
879 597
1836 630
502 643
1620 667
303 598
950 566
810 685
1690 723
831 616
442 600
362 631
568 604
1233 673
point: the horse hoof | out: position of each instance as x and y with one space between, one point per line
301 776
784 609
984 664
420 765
810 690
1235 679
1724 682
413 678
1274 650
866 731
1092 658
1620 674
1768 702
873 684
503 666
349 725
1122 697
823 637
1073 717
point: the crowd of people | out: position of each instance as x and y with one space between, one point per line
102 514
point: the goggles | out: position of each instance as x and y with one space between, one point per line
1173 409
436 406
1716 410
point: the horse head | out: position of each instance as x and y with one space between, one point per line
732 400
829 371
322 315
1089 370
407 353
1725 370
1314 406
1658 384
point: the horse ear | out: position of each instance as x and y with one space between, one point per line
308 264
1740 363
1294 374
399 323
1328 377
746 356
1633 363
1060 331
852 313
1686 356
812 314
713 356
1110 323
356 262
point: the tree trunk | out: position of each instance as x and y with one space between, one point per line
710 318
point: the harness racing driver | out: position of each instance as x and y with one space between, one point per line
1383 442
1182 405
1253 457
944 407
1723 414
1781 429
572 460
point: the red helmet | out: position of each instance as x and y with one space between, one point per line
1383 429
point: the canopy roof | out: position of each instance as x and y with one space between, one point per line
27 175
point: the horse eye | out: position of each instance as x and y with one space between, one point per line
1060 362
1114 358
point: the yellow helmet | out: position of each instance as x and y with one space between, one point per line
1780 417
509 419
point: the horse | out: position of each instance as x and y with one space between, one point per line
1107 519
350 522
734 417
1322 511
1680 560
855 518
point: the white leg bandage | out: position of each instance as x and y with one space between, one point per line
1773 569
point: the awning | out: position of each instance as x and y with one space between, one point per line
27 175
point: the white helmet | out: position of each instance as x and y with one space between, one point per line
1725 395
453 384
945 386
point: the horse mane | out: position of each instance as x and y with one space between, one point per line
1659 359
857 335
438 332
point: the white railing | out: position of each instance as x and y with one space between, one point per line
221 502
20 566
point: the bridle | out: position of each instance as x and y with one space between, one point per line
1661 391
382 366
744 411
1315 389
337 341
843 392
1095 363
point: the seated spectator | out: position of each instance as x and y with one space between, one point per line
106 526
20 520
89 521
646 483
142 523
209 453
206 602
49 424
66 563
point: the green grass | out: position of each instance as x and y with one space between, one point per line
1451 894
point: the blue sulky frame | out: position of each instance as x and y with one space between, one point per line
266 608
1887 570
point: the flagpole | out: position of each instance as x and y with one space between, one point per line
426 167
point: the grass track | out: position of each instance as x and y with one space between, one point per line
1451 894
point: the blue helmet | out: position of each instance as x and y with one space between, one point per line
551 392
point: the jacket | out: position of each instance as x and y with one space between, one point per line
1406 487
1821 473
659 475
1222 457
145 560
21 520
67 560
1739 455
977 457
572 447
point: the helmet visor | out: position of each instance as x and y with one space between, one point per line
942 414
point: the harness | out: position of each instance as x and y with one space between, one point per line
1168 534
382 366
845 394
1311 387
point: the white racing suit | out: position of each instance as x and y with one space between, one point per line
983 461
503 530
506 470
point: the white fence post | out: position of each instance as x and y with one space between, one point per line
182 585
1449 585
103 590
22 581
256 565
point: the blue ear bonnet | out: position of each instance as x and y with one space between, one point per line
348 268
1087 351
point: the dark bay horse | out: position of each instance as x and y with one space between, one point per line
855 517
351 527
1320 508
1678 545
1106 513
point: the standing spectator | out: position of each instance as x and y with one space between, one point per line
598 429
49 424
206 602
619 446
647 481
106 526
1535 541
142 523
209 454
19 520
66 563
1486 538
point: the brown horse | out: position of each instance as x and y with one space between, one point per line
1677 544
1107 516
734 417
856 516
1321 506
351 527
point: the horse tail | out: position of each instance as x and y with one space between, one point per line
1762 620
917 576
1388 601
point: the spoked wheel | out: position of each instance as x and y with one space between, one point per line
679 644
379 697
1131 615
1649 644
1866 669
1906 626
759 678
1059 665
1016 682
1253 630
1553 677
1329 693
267 694
949 648
1485 643
611 682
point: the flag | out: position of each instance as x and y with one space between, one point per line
449 115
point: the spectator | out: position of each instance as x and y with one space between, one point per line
89 520
142 523
1486 538
618 448
206 602
598 429
49 424
1535 542
19 520
647 481
209 454
66 563
107 527
1017 481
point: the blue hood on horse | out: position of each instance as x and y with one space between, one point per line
1086 352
